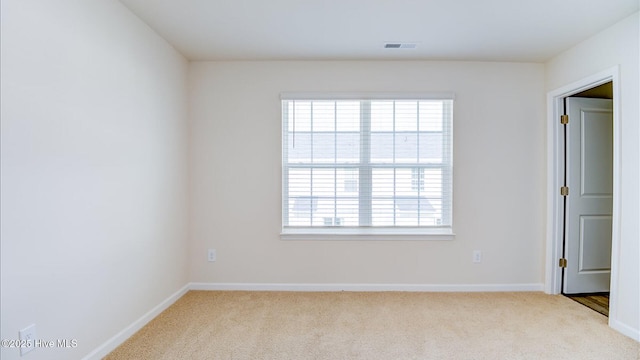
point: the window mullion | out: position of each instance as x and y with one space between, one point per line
365 172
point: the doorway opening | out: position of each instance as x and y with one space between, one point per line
602 85
587 138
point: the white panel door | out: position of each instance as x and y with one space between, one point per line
590 199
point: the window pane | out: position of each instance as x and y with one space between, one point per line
382 193
301 204
346 212
430 148
324 147
382 116
413 211
347 182
324 116
299 147
348 135
348 113
431 115
382 212
383 182
406 118
299 182
404 182
324 187
389 147
382 147
348 147
323 181
300 115
417 179
432 183
406 147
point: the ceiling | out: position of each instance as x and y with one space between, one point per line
487 30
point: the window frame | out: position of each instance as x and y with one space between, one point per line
366 232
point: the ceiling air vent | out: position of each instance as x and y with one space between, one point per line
400 45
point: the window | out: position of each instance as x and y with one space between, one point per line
354 165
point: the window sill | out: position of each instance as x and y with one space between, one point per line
366 234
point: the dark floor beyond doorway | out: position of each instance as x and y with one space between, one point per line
598 302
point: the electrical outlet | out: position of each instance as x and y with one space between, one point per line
211 255
27 339
477 256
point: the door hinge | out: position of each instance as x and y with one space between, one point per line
562 263
564 119
564 191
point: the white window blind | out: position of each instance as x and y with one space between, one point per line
367 163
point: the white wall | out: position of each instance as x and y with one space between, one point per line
618 45
94 164
499 175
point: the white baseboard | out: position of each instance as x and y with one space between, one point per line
624 329
367 287
123 335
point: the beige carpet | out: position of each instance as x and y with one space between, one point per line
383 325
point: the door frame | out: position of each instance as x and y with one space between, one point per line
555 169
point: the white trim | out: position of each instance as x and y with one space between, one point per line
553 274
309 95
366 287
117 340
625 329
366 234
